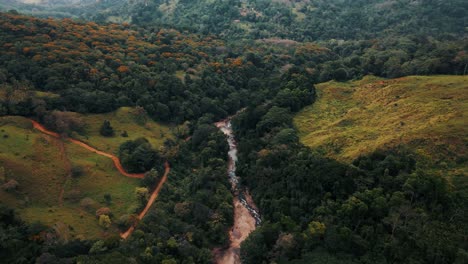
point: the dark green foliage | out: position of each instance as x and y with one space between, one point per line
138 156
298 20
107 198
383 208
77 171
106 129
15 244
296 90
151 178
193 212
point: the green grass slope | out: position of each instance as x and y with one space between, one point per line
428 114
41 165
124 119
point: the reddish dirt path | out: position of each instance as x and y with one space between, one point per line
116 160
151 200
119 167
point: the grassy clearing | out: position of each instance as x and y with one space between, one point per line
122 120
35 161
79 223
101 177
355 118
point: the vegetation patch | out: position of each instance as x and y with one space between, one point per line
353 119
61 184
128 124
33 160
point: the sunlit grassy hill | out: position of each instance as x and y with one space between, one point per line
428 114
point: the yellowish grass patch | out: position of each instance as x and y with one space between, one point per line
356 118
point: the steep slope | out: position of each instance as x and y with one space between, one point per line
351 119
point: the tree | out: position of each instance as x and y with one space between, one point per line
340 74
253 249
151 178
98 247
286 136
106 129
142 194
108 198
276 117
138 156
105 221
77 171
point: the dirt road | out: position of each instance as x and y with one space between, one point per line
151 200
116 160
119 167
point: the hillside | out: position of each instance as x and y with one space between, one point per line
74 181
352 119
305 20
107 126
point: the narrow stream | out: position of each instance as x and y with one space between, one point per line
246 216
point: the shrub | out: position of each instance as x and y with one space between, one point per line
77 171
105 221
106 129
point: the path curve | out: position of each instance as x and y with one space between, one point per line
116 160
119 167
151 200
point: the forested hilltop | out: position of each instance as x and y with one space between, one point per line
306 19
301 20
149 90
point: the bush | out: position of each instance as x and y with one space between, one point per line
105 221
77 171
108 198
106 129
138 156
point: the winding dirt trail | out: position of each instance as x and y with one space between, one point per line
116 160
120 168
151 200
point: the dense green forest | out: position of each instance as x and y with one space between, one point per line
306 20
190 64
176 76
301 20
382 208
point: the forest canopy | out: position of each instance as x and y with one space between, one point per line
189 64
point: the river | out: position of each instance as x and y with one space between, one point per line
246 215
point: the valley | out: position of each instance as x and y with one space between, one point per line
246 215
233 131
